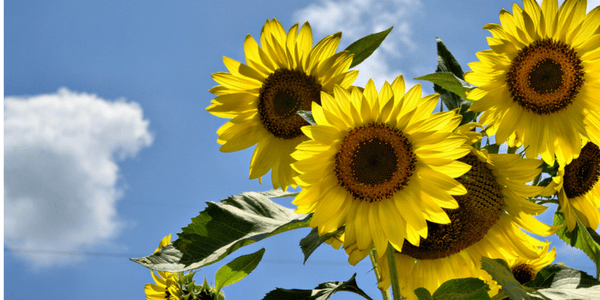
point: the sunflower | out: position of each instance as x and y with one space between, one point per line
262 96
578 188
524 270
539 82
379 163
166 286
487 223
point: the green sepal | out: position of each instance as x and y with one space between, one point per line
582 238
312 241
237 269
322 292
550 170
365 46
501 272
222 228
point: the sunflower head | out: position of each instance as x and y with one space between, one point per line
488 222
381 164
525 269
167 284
166 287
283 75
478 211
578 188
539 77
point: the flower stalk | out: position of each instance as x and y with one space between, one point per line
385 294
391 257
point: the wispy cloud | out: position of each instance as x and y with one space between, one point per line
358 18
60 170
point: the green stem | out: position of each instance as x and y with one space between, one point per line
386 294
391 256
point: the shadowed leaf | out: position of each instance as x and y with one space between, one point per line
322 292
558 282
501 272
312 241
223 228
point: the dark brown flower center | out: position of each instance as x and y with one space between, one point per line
523 273
282 94
582 173
477 212
545 76
374 161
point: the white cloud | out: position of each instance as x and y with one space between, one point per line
358 18
61 173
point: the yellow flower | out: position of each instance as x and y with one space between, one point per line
262 96
379 163
166 286
578 188
524 270
539 82
487 223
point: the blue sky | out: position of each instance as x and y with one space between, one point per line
108 146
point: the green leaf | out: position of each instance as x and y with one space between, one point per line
501 272
312 241
452 89
449 82
237 269
446 61
457 289
322 292
365 46
223 228
307 116
559 282
423 294
462 289
582 238
555 274
291 294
